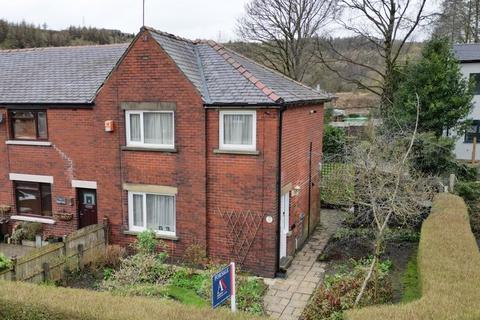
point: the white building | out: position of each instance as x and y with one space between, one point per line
469 57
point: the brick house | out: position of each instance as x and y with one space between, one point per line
187 138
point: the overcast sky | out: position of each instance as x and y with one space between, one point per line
194 19
202 19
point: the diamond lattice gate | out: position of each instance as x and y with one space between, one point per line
243 228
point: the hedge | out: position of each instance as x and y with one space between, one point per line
449 269
23 301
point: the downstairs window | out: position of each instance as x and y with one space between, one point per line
148 211
33 198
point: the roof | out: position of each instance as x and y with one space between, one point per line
70 75
225 77
74 75
468 52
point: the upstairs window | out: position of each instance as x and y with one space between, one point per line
473 131
150 129
29 125
238 130
33 198
475 77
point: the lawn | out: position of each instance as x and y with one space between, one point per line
23 301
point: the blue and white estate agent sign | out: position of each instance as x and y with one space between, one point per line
223 286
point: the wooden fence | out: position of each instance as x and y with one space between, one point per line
49 262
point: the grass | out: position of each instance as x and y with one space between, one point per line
411 281
448 261
185 296
23 301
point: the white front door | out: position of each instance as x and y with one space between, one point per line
284 223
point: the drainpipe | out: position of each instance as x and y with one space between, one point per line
279 186
309 187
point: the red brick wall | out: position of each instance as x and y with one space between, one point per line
243 183
208 183
70 156
302 125
148 74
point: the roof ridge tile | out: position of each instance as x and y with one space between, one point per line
169 35
65 47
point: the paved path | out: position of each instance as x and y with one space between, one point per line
286 298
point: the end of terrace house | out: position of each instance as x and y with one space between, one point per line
187 138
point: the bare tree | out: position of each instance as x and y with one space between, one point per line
385 26
459 21
285 29
387 188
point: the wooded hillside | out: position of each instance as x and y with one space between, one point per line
26 35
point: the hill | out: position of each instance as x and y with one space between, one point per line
25 35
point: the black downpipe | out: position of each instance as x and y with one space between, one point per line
279 186
309 187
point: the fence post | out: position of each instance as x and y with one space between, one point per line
14 269
46 271
452 179
80 256
106 230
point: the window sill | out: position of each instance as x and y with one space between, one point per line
33 219
149 149
157 236
239 152
29 143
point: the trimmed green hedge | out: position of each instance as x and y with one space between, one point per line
449 269
23 301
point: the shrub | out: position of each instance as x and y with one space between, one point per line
334 143
434 155
5 263
391 235
448 261
337 184
114 255
139 269
146 242
26 231
339 291
470 192
250 294
195 256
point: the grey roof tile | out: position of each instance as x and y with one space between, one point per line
467 52
75 74
56 75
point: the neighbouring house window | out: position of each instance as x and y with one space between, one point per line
151 129
151 211
473 131
475 77
33 198
238 130
29 125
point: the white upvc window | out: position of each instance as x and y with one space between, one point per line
151 211
238 130
150 129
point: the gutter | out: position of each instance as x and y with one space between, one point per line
279 188
55 105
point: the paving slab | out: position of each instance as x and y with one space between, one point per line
286 298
